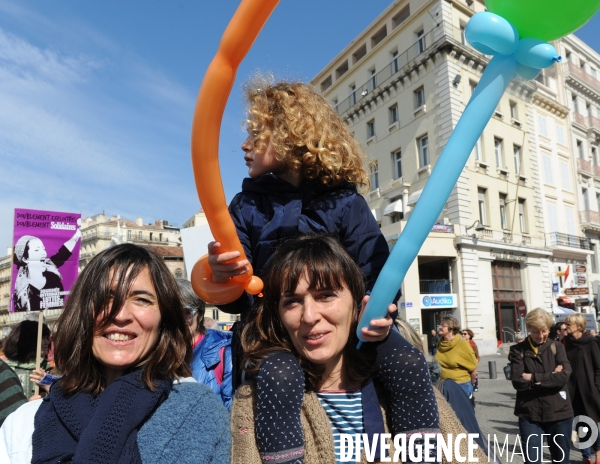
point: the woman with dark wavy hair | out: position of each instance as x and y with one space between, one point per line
125 393
309 310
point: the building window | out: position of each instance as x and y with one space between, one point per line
358 54
420 42
503 221
352 94
393 114
580 150
548 174
373 79
334 103
481 193
150 236
566 176
570 217
374 175
586 199
371 129
129 235
513 110
582 64
341 70
326 83
477 153
498 153
575 103
594 258
593 72
595 156
140 235
522 217
394 63
542 126
423 144
517 156
463 39
397 163
401 17
472 86
419 97
560 135
552 217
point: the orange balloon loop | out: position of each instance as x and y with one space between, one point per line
218 81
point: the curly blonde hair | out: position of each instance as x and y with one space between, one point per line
306 132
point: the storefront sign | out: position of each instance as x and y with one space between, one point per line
581 280
580 268
555 287
577 291
446 300
507 256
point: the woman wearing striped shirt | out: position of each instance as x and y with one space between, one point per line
312 289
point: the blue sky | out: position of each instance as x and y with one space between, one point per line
97 98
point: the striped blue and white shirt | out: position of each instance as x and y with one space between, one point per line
344 409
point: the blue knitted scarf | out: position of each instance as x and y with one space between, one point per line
81 428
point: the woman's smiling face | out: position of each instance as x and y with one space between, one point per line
134 332
318 322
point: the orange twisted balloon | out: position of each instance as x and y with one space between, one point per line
239 36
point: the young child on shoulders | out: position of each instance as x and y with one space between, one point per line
305 171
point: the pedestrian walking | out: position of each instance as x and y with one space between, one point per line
468 336
583 353
540 372
455 355
434 338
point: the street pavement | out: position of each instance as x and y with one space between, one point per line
494 406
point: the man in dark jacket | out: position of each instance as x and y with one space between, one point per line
540 372
583 353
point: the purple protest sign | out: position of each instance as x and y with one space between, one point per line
45 259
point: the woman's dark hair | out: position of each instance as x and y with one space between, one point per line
470 332
21 343
326 265
189 298
95 301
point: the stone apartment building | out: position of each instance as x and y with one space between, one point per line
401 85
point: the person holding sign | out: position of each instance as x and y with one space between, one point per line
39 282
125 394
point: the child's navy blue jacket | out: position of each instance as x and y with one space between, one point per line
269 210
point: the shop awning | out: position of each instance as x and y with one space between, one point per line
392 208
412 199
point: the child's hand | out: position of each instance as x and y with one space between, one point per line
378 329
221 269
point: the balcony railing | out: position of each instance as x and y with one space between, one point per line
566 240
594 123
435 286
585 166
580 119
582 75
444 30
589 217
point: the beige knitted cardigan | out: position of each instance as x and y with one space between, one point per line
318 439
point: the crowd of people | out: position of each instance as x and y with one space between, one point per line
141 376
